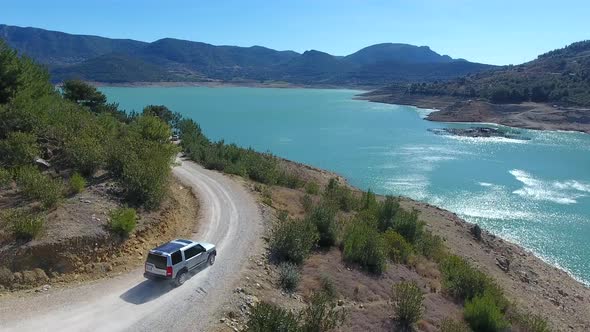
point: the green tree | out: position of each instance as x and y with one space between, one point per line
18 149
83 94
161 112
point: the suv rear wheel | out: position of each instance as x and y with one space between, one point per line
211 259
181 278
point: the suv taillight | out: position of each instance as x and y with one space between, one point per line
169 271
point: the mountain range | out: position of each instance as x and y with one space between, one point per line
100 59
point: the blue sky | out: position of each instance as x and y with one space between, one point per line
491 31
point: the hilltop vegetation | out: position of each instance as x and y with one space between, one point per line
561 76
49 138
100 59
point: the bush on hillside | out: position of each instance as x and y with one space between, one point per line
292 240
289 276
77 183
289 180
407 300
451 325
362 244
340 196
146 171
321 314
37 186
369 202
527 322
407 224
306 203
86 152
431 246
387 212
267 317
23 224
460 279
122 221
483 314
397 248
327 286
465 282
5 177
18 149
323 217
312 188
151 128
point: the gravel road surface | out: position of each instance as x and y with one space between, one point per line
230 219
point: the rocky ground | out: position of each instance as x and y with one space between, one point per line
525 115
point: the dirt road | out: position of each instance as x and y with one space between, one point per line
230 219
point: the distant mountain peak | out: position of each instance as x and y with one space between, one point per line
170 59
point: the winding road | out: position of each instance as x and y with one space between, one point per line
230 218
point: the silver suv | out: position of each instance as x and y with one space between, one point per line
175 259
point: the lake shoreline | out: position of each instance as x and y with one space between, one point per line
219 84
528 115
526 278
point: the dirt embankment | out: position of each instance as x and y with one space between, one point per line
527 280
525 115
76 245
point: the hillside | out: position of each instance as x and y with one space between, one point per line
101 59
561 76
551 92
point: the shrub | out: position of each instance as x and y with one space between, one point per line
527 322
307 203
312 188
431 246
323 217
85 152
407 224
18 149
340 196
5 177
77 183
37 186
483 314
267 195
321 314
461 280
397 248
292 240
364 245
145 172
407 302
328 287
266 317
289 276
23 224
289 180
387 212
122 221
451 325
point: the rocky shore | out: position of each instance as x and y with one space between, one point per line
525 115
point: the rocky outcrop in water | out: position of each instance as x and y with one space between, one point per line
478 132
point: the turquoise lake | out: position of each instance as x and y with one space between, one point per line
533 192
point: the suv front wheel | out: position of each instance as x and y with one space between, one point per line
211 259
181 278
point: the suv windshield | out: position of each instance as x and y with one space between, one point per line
158 261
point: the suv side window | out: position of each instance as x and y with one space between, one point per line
176 257
193 251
